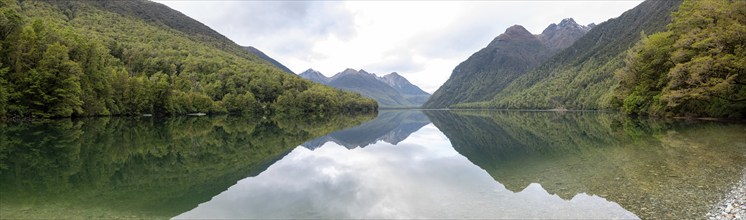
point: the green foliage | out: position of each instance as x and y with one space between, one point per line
89 58
321 99
4 90
239 103
696 68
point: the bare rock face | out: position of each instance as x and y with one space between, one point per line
314 75
563 35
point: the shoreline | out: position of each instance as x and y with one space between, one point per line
733 204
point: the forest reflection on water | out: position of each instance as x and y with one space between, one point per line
654 168
105 168
465 164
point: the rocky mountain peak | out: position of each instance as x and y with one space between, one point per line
568 22
362 71
402 84
515 32
314 75
562 35
310 71
349 71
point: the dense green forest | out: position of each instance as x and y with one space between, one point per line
141 168
697 67
580 76
88 58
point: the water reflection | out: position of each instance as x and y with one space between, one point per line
390 126
106 168
421 176
467 164
656 169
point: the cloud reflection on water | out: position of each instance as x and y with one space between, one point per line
421 177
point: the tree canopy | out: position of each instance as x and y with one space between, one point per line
695 68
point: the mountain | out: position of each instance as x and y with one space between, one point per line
95 58
367 84
264 56
411 92
392 90
314 75
390 126
580 76
509 55
563 35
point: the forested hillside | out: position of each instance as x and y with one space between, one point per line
507 57
87 58
695 68
580 77
267 58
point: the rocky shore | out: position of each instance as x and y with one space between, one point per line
733 206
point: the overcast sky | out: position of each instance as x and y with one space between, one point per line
423 41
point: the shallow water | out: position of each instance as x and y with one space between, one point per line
402 164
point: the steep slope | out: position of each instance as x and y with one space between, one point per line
508 56
89 58
367 84
580 77
314 75
411 92
264 56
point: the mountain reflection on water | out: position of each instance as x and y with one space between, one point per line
420 177
465 164
656 169
390 126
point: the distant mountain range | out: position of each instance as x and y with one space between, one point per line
390 126
508 56
264 56
392 90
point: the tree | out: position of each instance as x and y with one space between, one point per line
695 68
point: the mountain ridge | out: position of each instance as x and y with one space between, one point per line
391 90
505 58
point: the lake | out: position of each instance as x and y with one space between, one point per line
397 164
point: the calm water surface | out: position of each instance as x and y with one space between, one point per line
402 164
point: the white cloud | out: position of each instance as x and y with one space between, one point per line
422 41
